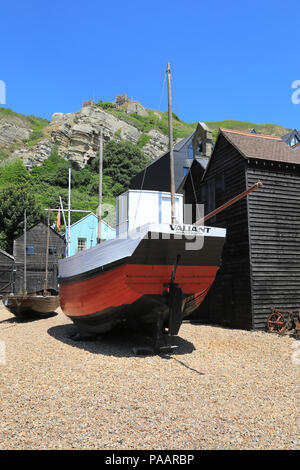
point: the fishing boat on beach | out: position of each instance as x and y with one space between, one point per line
150 279
40 303
31 305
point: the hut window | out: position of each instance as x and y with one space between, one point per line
294 141
81 244
29 249
52 250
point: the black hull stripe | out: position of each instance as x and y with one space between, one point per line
143 313
160 253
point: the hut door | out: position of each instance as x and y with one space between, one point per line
227 290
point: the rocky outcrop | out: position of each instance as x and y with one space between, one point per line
34 156
136 108
77 135
158 141
13 129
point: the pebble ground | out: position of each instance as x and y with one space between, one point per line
221 389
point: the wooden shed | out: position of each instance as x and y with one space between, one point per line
6 272
36 244
261 258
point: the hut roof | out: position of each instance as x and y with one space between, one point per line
263 147
296 148
6 254
88 215
293 135
39 223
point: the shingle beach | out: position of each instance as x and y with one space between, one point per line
221 389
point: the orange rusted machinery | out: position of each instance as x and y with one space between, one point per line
281 321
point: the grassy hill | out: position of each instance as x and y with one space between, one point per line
265 129
159 120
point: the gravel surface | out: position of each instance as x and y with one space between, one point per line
222 389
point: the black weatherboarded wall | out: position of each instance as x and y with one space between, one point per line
6 272
274 221
36 242
228 302
261 258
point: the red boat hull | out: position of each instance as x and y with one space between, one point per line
120 295
151 279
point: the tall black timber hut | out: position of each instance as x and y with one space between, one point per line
156 176
36 245
6 272
260 266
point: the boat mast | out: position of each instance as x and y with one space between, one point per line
25 258
172 178
47 254
100 185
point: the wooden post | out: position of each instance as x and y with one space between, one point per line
69 216
172 178
100 186
47 254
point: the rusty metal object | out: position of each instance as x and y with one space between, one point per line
280 321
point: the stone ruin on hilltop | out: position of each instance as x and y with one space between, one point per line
122 99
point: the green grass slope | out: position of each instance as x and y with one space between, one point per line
159 120
265 129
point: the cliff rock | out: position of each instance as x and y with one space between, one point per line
77 135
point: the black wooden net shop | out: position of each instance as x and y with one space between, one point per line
36 246
261 258
6 272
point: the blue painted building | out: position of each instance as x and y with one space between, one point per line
84 233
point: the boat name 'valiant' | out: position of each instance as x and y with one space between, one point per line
189 228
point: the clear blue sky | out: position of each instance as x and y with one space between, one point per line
233 59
